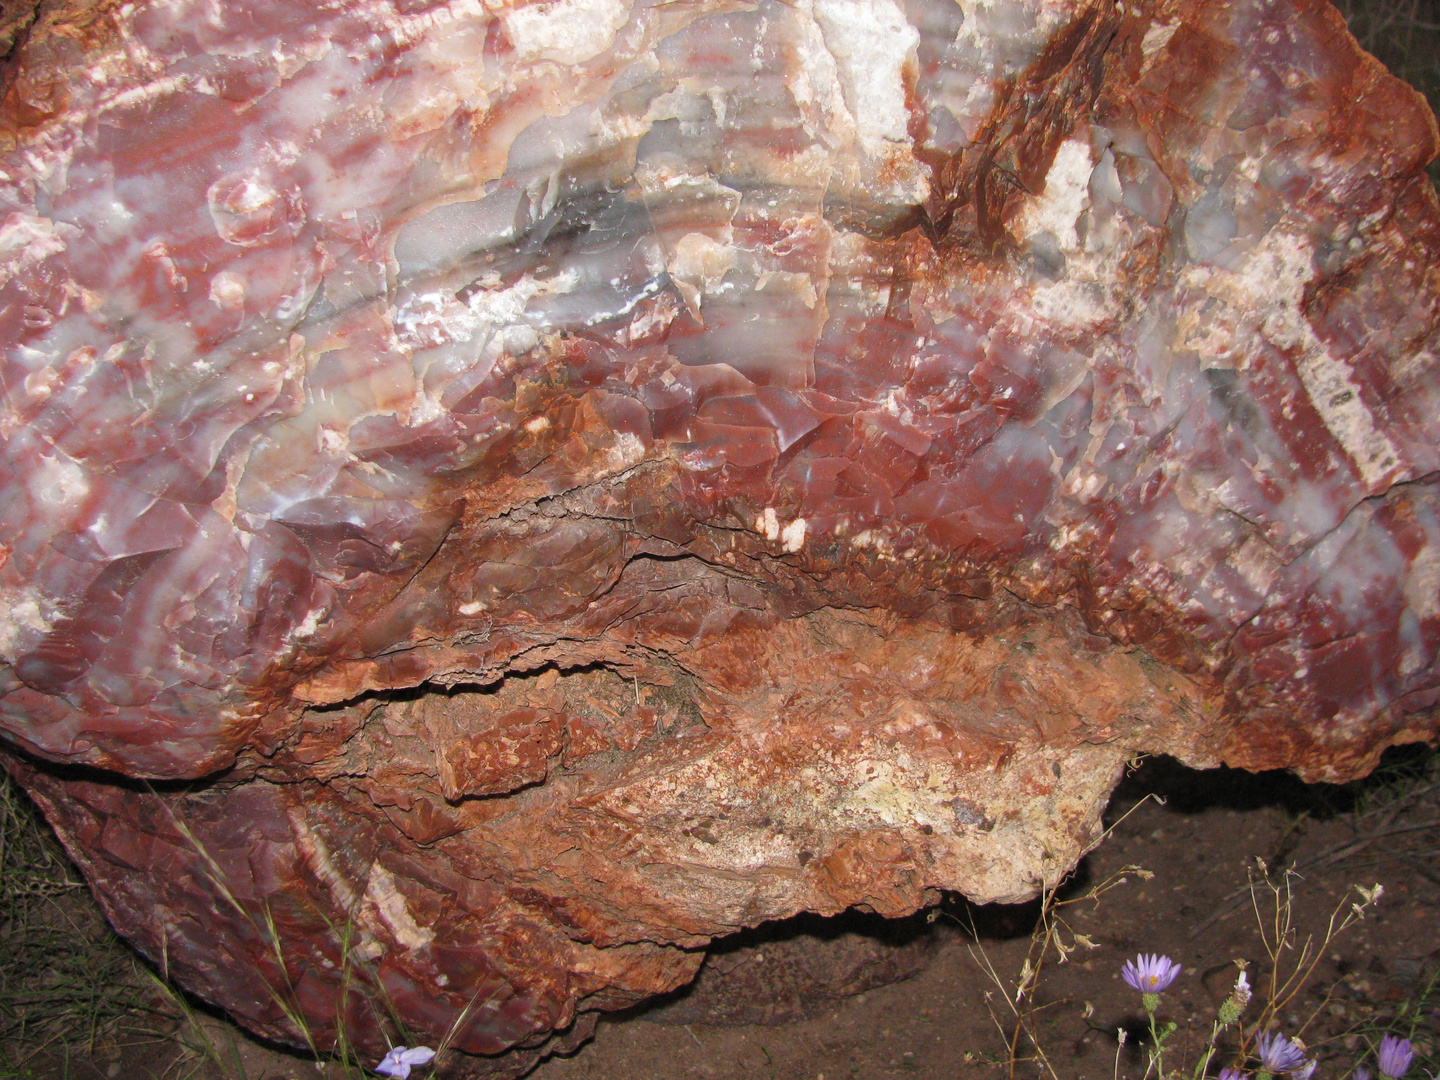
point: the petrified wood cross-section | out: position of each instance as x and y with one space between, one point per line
530 487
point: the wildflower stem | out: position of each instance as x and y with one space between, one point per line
1204 1062
1157 1038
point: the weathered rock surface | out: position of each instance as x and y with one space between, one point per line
780 973
580 478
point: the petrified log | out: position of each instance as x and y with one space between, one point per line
533 487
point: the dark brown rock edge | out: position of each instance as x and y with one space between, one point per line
522 502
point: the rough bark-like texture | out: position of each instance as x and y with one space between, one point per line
796 969
580 478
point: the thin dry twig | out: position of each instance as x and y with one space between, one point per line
1235 900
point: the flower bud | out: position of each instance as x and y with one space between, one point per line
1231 1008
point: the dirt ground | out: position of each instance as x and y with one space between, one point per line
1197 902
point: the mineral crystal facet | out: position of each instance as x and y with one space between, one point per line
568 480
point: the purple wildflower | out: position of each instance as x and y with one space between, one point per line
398 1061
1361 1073
1150 974
1278 1054
1231 1073
1394 1057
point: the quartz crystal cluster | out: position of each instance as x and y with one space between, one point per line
533 486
